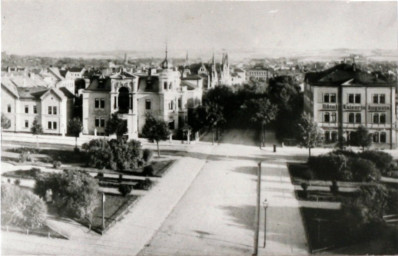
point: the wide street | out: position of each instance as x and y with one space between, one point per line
205 205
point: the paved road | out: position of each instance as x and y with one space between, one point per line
216 215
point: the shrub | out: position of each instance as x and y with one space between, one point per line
334 188
363 170
21 207
99 153
346 153
304 185
17 182
76 150
34 172
100 175
147 155
328 167
57 164
125 153
148 170
125 189
144 184
74 192
382 160
393 201
25 157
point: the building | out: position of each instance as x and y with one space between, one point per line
162 93
258 73
342 98
22 105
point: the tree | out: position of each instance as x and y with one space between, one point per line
214 118
155 130
361 138
309 134
37 130
75 127
364 170
75 192
126 154
99 153
5 124
261 112
21 207
115 125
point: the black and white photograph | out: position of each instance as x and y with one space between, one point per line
199 128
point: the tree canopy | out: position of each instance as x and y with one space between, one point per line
5 122
361 138
115 125
75 127
309 134
155 129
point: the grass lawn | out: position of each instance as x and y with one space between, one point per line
115 206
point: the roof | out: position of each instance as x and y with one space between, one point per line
5 81
66 92
75 69
148 83
192 77
100 85
56 73
343 73
31 92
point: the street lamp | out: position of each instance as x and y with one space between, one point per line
265 204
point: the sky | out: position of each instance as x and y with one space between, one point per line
33 26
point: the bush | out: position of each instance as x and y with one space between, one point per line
74 192
125 189
76 150
334 188
99 153
57 164
363 170
144 184
148 170
382 160
21 207
393 201
34 172
329 167
147 155
25 157
17 182
100 175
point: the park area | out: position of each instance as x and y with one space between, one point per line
349 202
49 176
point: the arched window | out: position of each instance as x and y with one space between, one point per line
382 118
334 136
351 118
327 117
375 118
383 137
327 136
376 137
358 118
123 100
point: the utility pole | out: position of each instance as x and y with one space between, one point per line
257 228
103 211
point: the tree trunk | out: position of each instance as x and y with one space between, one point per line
157 143
309 151
263 136
213 137
75 142
37 141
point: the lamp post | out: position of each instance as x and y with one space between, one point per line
265 204
257 217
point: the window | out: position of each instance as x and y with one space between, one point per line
358 118
333 98
50 110
165 85
54 110
102 122
376 137
327 136
358 98
383 137
97 103
102 103
382 99
334 136
148 104
26 109
375 118
35 109
115 102
171 105
171 125
26 124
382 118
327 117
9 108
375 98
333 117
179 103
50 125
350 98
97 122
351 118
54 125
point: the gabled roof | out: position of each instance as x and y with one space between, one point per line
66 92
100 85
56 73
9 86
31 92
148 83
57 93
76 69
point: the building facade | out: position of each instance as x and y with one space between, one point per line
343 98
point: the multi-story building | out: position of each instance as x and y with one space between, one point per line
22 105
161 93
258 73
342 98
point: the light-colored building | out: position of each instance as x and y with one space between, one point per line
342 98
22 105
258 73
161 93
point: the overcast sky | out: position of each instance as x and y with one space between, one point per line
47 26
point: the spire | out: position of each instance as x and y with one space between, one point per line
186 60
165 63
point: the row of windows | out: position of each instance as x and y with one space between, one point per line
354 98
26 109
52 110
377 137
50 125
377 118
99 103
